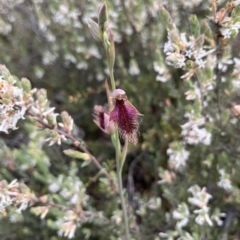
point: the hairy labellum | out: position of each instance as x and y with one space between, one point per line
125 116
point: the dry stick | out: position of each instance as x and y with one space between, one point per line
76 144
79 211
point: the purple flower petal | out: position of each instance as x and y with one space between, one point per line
126 117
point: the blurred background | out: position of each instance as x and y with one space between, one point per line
48 42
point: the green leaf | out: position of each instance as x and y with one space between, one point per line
77 154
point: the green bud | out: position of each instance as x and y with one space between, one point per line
51 118
194 25
166 19
11 80
111 51
206 29
102 17
42 97
66 118
176 39
7 96
26 85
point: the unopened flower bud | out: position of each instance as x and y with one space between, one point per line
26 85
111 50
102 17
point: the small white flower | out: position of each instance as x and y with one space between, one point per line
177 155
181 62
188 53
226 32
218 217
195 135
200 196
117 217
224 181
203 216
168 48
200 63
154 203
48 58
193 94
133 68
23 205
182 215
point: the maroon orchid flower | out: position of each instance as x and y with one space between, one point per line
125 116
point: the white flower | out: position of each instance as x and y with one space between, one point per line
154 203
226 32
224 181
218 217
82 65
203 216
23 205
13 105
94 52
177 159
189 53
182 215
133 68
168 48
5 201
67 229
185 236
200 196
193 134
181 62
170 235
200 63
117 217
48 58
193 94
70 58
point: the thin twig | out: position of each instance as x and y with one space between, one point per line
76 144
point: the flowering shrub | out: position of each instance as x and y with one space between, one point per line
171 173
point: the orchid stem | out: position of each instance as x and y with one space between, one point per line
112 79
120 163
120 159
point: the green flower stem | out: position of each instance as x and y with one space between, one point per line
112 79
120 163
120 158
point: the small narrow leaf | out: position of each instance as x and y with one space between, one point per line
94 30
195 26
166 19
77 154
